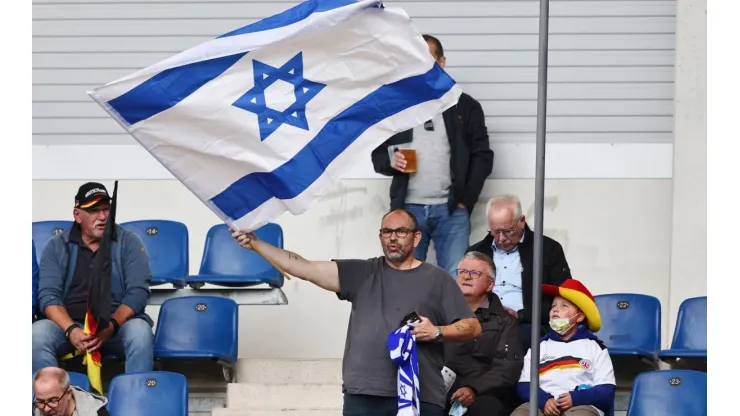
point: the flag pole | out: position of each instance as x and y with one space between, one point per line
539 204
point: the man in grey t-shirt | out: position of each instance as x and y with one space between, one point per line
383 290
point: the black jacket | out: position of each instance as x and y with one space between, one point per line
491 364
471 157
555 269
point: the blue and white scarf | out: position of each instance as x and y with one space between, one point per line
402 347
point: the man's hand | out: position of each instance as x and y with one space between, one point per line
551 408
78 339
565 402
424 330
243 238
512 312
94 343
399 161
464 395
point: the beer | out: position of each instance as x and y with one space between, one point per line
410 156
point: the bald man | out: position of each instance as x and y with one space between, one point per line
54 396
510 242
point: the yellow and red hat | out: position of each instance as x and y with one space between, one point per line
574 291
91 194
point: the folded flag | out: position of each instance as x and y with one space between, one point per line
402 347
263 119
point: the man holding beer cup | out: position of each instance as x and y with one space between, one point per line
438 170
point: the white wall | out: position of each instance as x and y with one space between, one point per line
689 241
616 236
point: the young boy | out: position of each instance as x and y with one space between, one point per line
576 376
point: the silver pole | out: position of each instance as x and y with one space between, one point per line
539 203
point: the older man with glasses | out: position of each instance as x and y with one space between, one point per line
386 292
486 369
54 396
510 242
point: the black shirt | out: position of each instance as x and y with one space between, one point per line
76 299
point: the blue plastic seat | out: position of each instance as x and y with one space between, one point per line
43 231
198 327
154 393
166 243
669 393
80 380
630 324
690 336
226 263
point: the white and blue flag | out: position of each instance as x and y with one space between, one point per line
264 119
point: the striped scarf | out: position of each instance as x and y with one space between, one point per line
402 347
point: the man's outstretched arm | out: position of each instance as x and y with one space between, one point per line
323 274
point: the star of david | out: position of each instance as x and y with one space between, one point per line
265 75
403 390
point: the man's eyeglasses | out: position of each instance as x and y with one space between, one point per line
52 402
508 232
402 232
475 274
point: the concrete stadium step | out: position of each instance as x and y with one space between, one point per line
276 371
274 412
283 396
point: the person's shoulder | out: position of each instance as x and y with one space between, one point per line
468 100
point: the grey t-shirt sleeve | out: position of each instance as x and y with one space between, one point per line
454 306
352 275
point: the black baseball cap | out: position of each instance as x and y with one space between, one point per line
91 194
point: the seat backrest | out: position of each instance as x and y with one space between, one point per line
80 380
222 255
166 243
669 393
629 321
208 324
153 393
691 325
43 231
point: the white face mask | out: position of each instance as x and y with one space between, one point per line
562 325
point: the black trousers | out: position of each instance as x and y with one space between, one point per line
364 405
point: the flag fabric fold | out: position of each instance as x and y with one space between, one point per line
402 348
265 118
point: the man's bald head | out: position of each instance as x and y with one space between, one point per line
50 381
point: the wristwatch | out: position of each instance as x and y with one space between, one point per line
438 337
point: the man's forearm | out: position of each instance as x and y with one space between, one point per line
322 273
123 313
59 315
462 330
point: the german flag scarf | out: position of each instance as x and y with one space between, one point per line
99 298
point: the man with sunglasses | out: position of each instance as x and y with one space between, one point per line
54 396
487 369
453 161
510 242
383 291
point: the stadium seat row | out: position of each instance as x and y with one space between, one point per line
197 329
153 393
631 327
224 262
654 393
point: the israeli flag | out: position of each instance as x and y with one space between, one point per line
264 119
